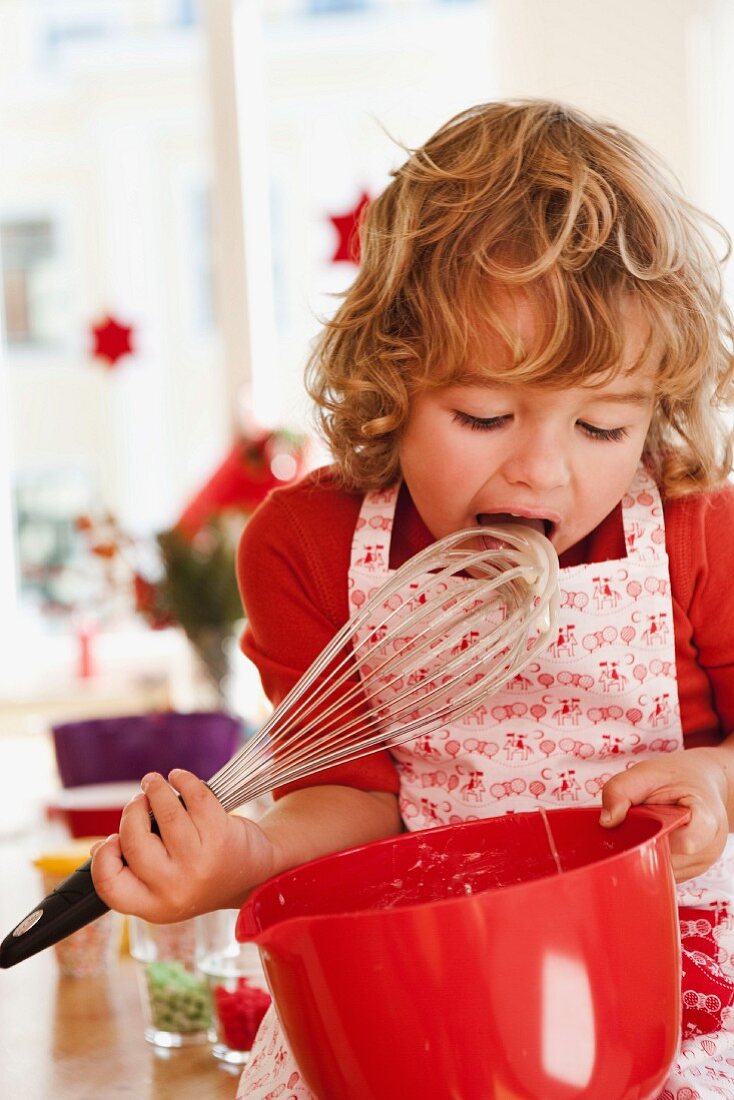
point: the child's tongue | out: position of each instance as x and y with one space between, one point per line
487 519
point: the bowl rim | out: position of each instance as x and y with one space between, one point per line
664 822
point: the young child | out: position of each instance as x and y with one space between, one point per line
537 332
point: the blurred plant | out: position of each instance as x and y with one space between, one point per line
197 589
186 576
188 582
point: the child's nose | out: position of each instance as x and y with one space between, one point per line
540 463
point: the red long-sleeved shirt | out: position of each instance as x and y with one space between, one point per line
293 564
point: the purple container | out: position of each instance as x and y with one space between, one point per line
112 750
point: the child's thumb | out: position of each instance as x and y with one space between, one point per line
615 800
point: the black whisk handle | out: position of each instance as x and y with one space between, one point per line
69 907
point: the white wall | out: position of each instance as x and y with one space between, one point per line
711 74
626 60
340 94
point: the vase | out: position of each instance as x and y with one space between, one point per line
212 646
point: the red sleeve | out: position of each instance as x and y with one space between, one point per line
699 533
292 569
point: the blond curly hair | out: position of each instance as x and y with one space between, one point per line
538 195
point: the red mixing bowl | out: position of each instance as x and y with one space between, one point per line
457 962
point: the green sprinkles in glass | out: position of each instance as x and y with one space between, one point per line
179 1001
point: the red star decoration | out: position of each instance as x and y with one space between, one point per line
112 341
347 226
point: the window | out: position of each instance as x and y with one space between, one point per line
317 6
200 254
185 13
32 291
281 9
72 25
53 562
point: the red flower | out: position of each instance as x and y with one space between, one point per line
146 603
106 550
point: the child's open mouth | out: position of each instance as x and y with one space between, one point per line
544 526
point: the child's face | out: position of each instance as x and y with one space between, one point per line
473 452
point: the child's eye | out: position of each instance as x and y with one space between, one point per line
612 434
479 423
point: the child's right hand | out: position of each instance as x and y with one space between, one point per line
204 858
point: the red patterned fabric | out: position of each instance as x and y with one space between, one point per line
706 989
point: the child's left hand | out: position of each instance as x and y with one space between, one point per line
693 778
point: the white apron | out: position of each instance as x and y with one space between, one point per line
601 698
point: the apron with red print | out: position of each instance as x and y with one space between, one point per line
601 698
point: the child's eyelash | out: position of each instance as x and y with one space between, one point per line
612 434
486 424
478 423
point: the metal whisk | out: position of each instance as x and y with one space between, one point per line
452 625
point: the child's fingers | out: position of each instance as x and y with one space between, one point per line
706 830
134 827
115 883
204 809
145 851
695 846
107 862
135 823
176 828
628 788
643 783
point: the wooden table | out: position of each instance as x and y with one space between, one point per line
82 1038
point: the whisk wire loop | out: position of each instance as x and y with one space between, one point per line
456 622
